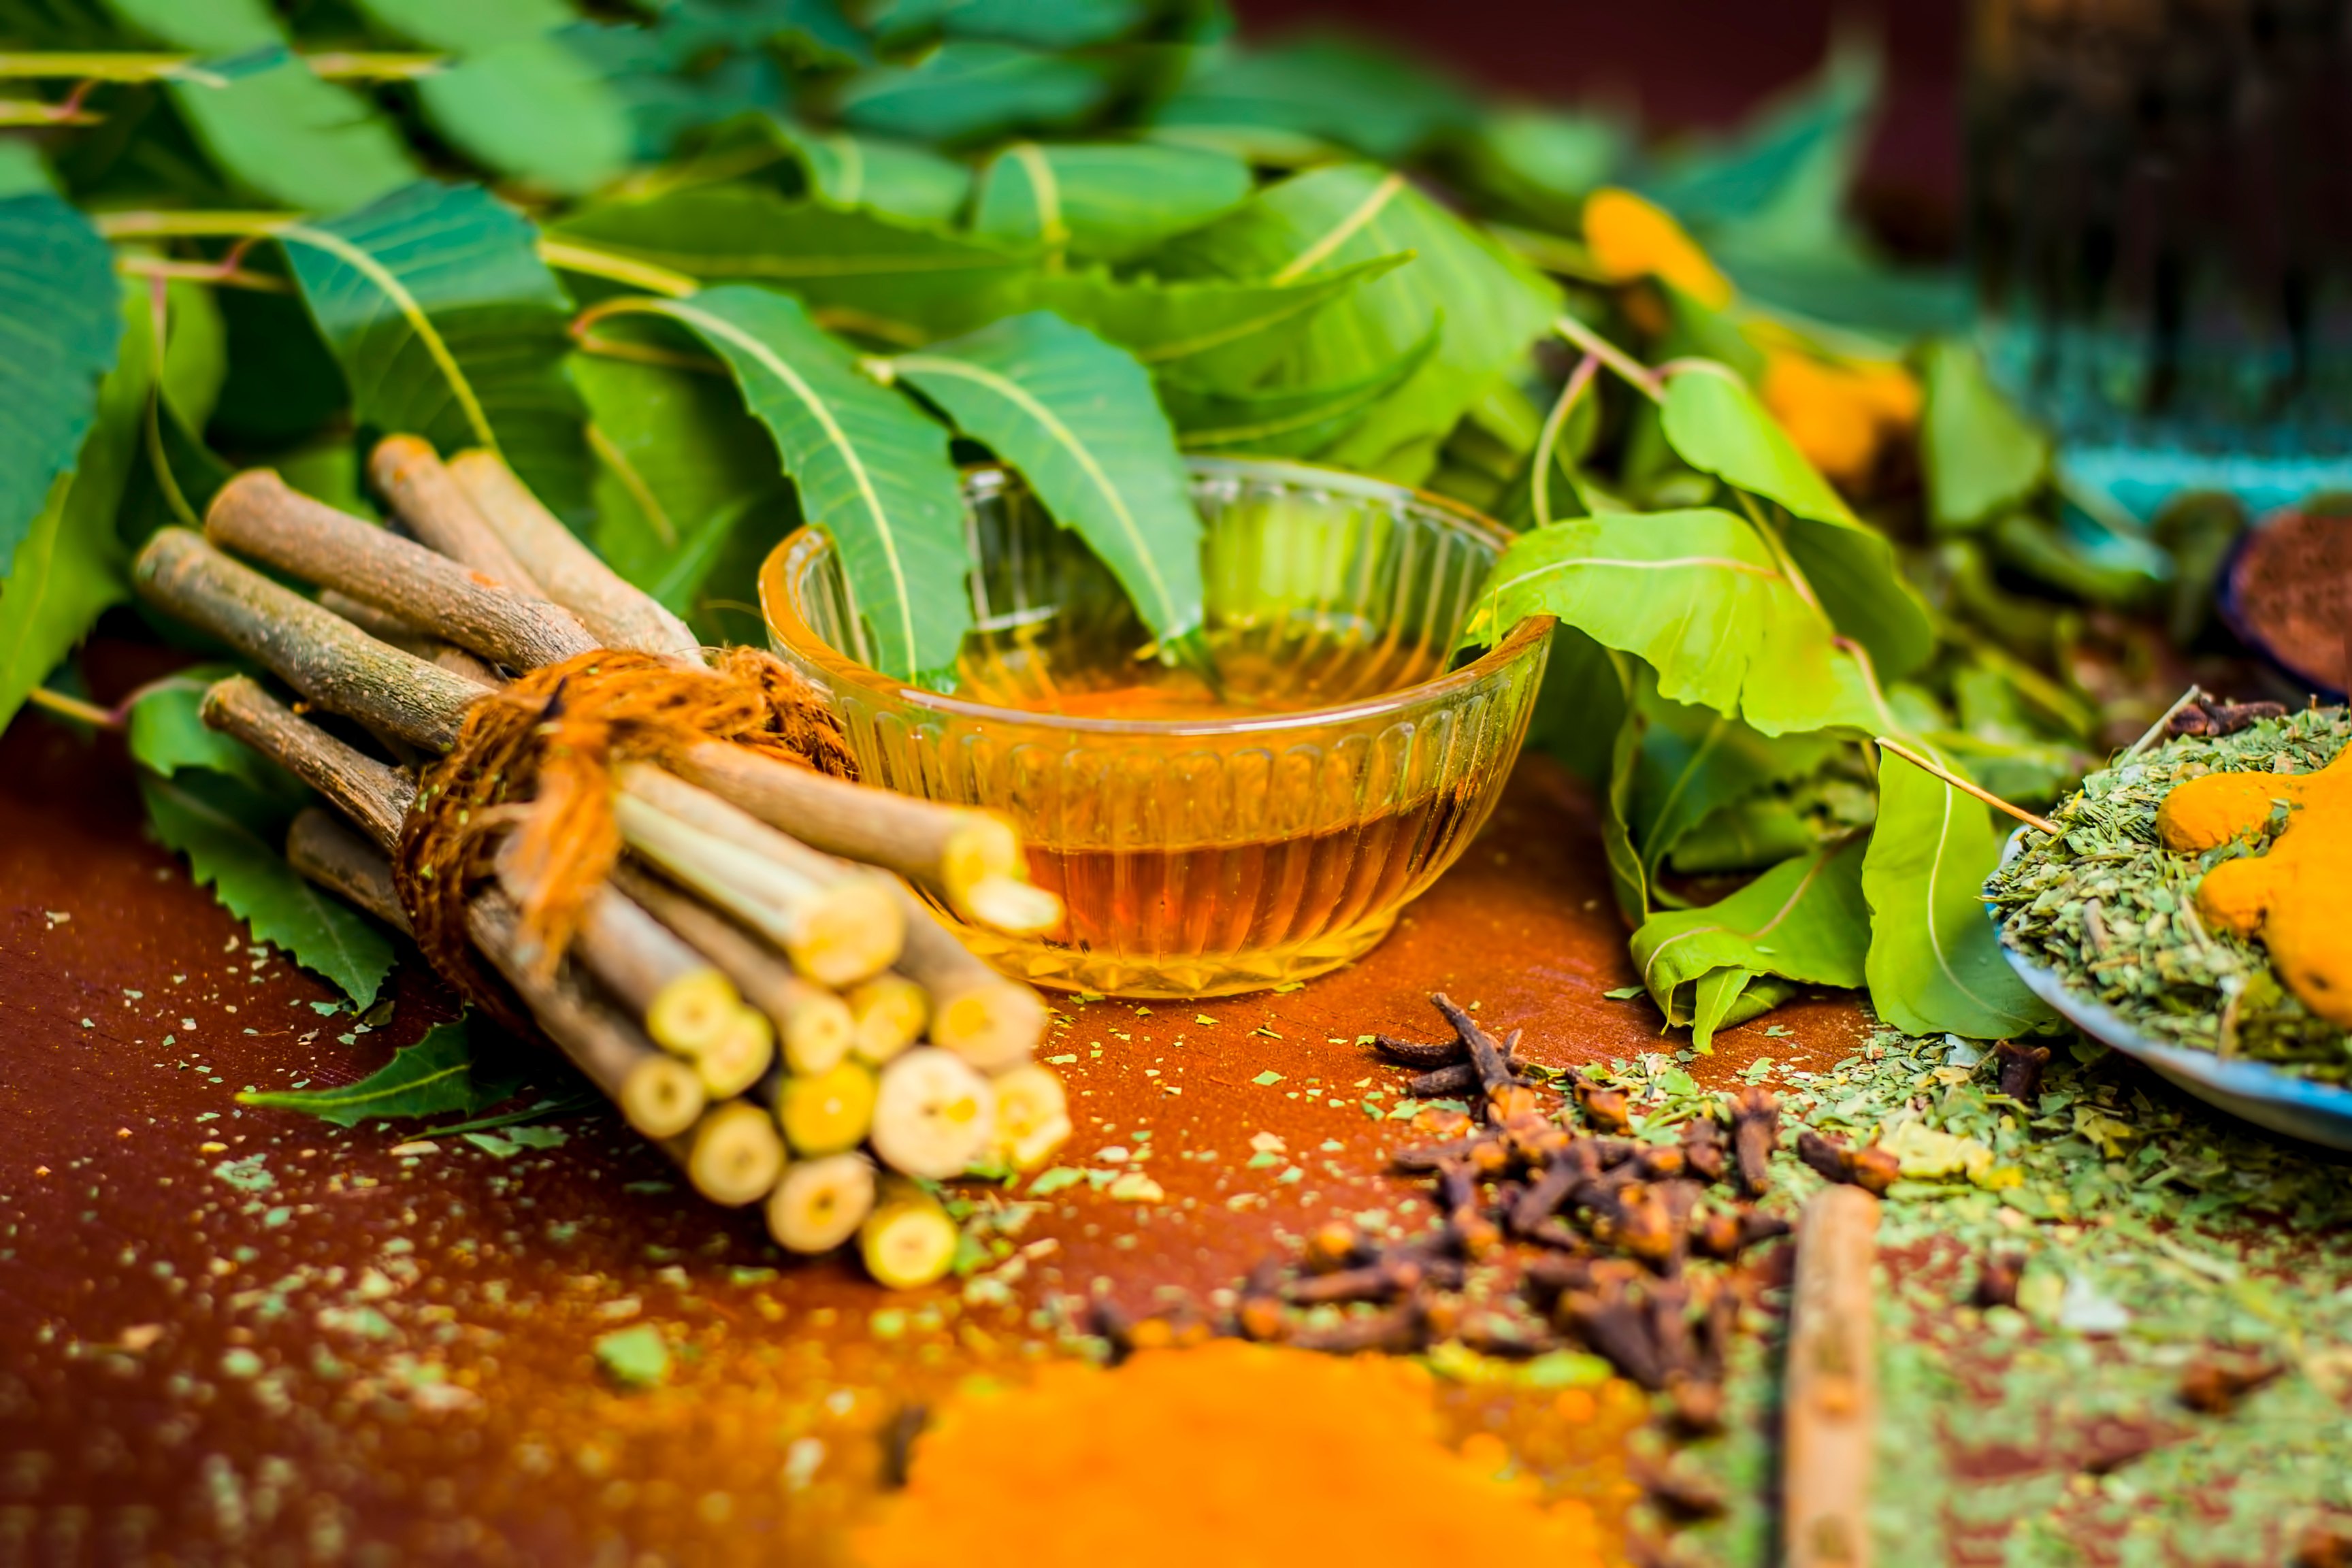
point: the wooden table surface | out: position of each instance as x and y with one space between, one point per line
236 1336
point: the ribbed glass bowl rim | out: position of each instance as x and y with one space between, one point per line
785 623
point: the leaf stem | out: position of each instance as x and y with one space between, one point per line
126 65
89 713
1642 379
1780 556
1965 787
1548 442
219 274
154 225
567 256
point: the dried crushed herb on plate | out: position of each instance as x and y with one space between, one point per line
2113 911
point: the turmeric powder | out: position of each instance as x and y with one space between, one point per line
1239 1454
2295 895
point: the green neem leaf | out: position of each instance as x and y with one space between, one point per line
533 109
69 565
1079 419
168 734
1543 162
1286 422
517 99
1778 156
1935 956
432 1077
1329 89
227 836
1981 456
1040 23
1716 424
1109 199
1761 830
872 471
1218 335
275 128
448 325
681 468
1492 305
899 281
61 323
1694 760
1700 597
898 178
1804 919
966 89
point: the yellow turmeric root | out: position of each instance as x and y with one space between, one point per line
2296 896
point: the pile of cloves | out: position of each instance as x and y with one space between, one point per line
1622 1247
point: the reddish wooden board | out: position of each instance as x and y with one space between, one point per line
237 1335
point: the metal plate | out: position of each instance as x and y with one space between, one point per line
2255 1091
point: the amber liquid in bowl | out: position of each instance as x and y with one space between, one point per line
1256 811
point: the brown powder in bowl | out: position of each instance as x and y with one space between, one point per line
2292 585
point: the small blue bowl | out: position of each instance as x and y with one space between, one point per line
2299 1107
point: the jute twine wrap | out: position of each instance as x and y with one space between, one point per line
535 760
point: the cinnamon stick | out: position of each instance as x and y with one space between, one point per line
409 475
569 572
258 515
1833 1385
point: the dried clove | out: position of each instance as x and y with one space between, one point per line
2215 1384
1260 1316
1679 1198
1413 1054
1485 1053
898 1435
2327 1543
2221 718
1337 1245
1485 1152
1703 1147
1606 1108
1459 1077
2020 1071
1998 1278
1553 1275
1755 1127
1871 1168
1570 1168
1612 1322
1676 1491
1381 1281
1400 1330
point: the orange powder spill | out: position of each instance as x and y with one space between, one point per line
1238 1455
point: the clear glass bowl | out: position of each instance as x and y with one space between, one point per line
1205 841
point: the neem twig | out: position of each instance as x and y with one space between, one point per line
950 849
324 657
409 474
1938 769
324 848
733 1154
812 1023
370 793
570 573
991 1022
1831 1402
689 1005
257 515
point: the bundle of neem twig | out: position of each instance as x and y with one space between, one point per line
740 968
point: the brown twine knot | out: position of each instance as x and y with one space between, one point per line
535 759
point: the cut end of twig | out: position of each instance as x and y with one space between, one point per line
994 1024
1012 906
850 931
889 1012
820 1204
816 1031
739 1056
691 1013
661 1096
734 1155
909 1240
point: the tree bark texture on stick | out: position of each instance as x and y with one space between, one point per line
567 572
319 654
324 848
258 515
411 477
370 793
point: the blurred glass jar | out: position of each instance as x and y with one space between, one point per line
2160 228
1204 839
